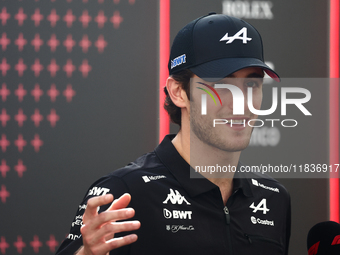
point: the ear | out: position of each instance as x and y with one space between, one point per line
176 93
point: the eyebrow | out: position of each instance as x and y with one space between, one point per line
251 75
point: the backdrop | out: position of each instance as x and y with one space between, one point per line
78 99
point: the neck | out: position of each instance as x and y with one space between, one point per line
205 158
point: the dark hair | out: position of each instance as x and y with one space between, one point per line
183 77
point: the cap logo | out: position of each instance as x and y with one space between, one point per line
240 35
178 61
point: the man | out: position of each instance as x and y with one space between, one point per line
174 211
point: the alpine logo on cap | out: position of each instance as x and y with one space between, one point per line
178 61
237 36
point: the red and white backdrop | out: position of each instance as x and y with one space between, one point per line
78 99
79 95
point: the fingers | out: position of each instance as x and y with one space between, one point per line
110 216
117 227
107 231
115 243
121 202
93 203
121 241
98 230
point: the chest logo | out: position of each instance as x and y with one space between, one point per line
98 191
175 198
262 206
176 214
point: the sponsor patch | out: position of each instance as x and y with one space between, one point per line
73 237
98 191
262 206
176 228
255 220
256 183
175 198
82 207
240 35
152 178
177 214
178 61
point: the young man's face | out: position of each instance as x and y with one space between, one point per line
225 137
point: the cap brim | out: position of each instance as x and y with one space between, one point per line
221 68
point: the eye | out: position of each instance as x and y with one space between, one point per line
252 84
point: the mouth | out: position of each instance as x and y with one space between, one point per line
237 123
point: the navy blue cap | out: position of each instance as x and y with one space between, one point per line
217 45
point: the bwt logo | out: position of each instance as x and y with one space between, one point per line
238 102
98 191
176 214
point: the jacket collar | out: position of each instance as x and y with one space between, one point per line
180 169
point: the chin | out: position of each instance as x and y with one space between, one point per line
227 144
233 147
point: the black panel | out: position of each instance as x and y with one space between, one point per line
111 119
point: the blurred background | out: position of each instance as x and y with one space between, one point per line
79 98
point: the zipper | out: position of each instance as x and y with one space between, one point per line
260 238
227 217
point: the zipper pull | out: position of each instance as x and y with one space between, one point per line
249 239
227 215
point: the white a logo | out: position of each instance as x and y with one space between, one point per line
237 36
175 198
262 206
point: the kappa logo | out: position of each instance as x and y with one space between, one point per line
175 198
256 183
262 206
237 36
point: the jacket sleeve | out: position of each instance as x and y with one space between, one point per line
105 185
